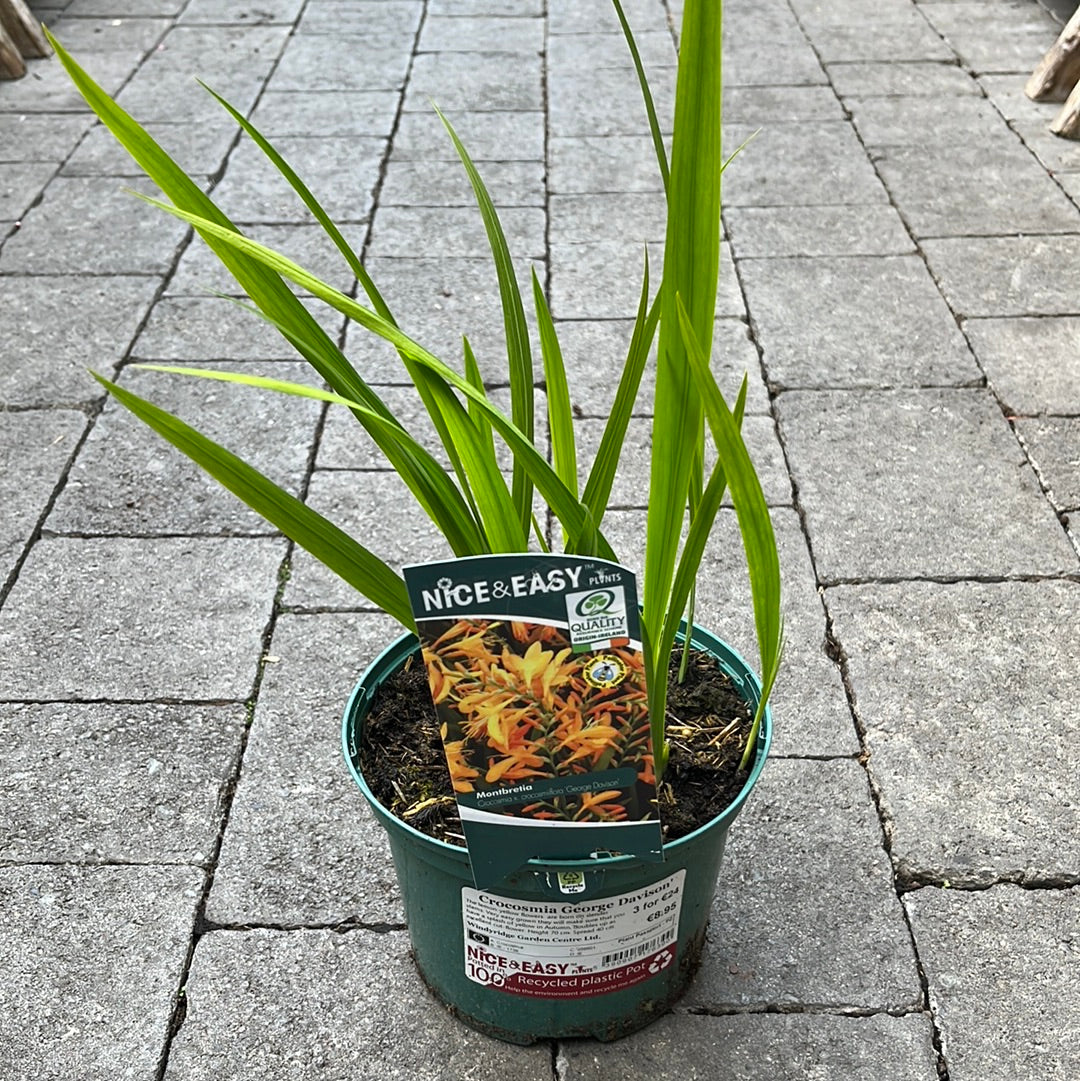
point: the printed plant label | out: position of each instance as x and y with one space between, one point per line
562 950
536 671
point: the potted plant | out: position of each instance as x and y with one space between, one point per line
506 959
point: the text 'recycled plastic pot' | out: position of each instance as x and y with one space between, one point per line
596 947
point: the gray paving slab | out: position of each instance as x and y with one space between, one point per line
1006 275
482 34
1002 969
594 352
900 33
762 1047
103 783
762 23
963 693
966 191
630 487
437 301
200 272
329 61
524 8
411 183
1054 446
589 102
597 15
454 232
780 104
35 447
856 321
816 163
603 280
21 185
127 481
46 137
810 709
1032 364
130 619
1057 155
329 112
883 78
924 483
398 19
49 89
489 81
567 52
123 7
946 122
65 232
129 37
346 445
197 328
602 163
235 65
1006 93
805 912
302 847
588 219
241 12
378 509
47 362
360 1011
92 960
1002 37
760 63
488 137
776 231
341 172
199 149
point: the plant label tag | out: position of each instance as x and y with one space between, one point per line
559 950
536 671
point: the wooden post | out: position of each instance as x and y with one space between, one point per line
23 29
11 61
1067 123
1058 71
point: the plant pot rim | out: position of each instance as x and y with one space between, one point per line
407 643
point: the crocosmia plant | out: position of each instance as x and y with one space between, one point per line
473 506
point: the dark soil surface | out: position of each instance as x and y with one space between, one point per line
708 722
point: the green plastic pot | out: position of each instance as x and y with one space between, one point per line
452 925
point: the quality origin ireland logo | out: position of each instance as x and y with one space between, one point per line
597 618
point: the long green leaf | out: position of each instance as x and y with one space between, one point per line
686 573
560 411
476 381
518 352
646 93
691 261
364 571
434 490
602 474
573 514
330 227
755 524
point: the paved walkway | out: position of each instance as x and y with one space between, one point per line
191 888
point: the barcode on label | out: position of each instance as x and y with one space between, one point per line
634 952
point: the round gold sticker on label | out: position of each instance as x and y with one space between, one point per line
605 670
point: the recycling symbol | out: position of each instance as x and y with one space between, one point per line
661 961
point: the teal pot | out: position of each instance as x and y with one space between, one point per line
596 947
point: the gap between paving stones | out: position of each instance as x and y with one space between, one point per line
202 925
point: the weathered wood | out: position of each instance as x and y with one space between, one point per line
24 29
1067 123
1059 70
11 61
